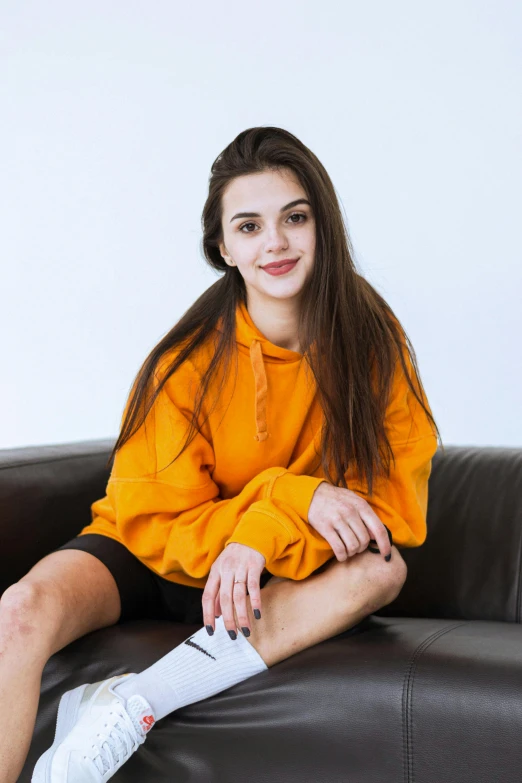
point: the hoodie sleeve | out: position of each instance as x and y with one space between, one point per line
399 500
174 519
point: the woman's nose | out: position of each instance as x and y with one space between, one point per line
276 240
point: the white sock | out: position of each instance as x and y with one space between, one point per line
197 668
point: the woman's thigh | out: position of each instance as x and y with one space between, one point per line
92 582
65 595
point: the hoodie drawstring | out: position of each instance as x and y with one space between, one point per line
261 389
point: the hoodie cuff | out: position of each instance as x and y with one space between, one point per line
262 532
297 491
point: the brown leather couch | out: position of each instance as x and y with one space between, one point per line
429 690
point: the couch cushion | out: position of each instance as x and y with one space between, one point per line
402 699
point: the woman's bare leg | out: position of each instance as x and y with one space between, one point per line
298 614
66 595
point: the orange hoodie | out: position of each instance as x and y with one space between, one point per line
250 474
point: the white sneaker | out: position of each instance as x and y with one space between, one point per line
96 732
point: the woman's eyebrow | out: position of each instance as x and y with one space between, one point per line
283 209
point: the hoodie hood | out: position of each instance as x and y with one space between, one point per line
252 342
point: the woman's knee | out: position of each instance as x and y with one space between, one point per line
396 579
390 574
66 595
371 570
25 608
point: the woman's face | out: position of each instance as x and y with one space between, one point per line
276 232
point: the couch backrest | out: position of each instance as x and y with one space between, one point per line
45 498
469 567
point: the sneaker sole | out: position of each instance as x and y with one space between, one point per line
65 720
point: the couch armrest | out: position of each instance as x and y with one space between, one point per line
45 498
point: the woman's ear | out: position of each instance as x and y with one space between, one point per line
224 254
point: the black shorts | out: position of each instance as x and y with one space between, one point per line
143 593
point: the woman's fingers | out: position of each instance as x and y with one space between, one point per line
342 541
354 533
381 535
361 515
254 592
240 603
233 599
208 599
226 597
225 592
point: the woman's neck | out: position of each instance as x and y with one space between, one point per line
277 320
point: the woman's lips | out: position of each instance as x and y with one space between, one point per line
280 270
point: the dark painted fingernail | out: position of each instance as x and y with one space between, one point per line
388 558
232 634
257 614
210 630
246 631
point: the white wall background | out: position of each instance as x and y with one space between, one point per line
112 113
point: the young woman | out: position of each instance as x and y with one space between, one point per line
250 477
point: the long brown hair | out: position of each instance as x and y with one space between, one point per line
351 337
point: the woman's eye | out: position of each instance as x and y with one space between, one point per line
295 222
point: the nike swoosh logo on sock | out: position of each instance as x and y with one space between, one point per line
197 647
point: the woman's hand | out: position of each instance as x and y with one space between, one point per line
221 595
347 521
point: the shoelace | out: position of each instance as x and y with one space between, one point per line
120 736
